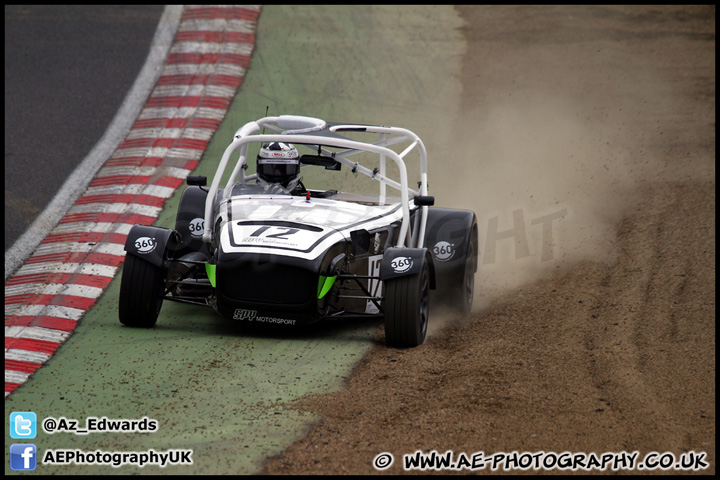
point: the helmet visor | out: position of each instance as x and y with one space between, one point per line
277 170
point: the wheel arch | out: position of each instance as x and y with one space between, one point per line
152 244
190 221
448 235
400 262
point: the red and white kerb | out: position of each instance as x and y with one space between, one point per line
72 266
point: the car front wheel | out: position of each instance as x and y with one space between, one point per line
407 309
141 292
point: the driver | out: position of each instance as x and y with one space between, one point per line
279 163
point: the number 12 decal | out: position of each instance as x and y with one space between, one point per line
286 231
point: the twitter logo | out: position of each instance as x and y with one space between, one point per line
23 425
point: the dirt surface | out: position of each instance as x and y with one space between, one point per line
602 121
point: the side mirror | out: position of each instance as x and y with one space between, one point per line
424 201
328 162
197 180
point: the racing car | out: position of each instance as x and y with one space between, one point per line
263 248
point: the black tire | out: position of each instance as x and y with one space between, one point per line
407 309
141 292
461 299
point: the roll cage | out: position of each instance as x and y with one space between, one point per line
318 135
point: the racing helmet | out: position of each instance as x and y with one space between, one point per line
279 163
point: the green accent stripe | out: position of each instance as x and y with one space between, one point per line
324 285
210 270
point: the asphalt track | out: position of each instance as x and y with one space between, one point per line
68 70
213 386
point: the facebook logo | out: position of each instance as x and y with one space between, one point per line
23 456
23 425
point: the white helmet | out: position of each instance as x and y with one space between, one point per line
279 163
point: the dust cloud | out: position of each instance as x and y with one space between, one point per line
546 189
548 193
554 143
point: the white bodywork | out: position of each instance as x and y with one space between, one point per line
298 228
341 217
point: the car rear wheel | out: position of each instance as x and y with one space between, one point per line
407 308
461 298
141 292
466 292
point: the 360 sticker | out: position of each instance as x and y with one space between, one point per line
145 244
401 264
444 251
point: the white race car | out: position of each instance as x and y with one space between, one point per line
265 249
